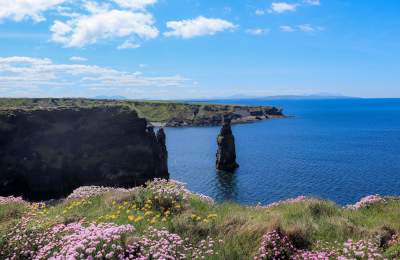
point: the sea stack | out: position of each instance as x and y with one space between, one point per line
226 154
163 154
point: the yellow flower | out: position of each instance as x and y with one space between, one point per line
148 213
153 221
139 218
131 217
205 220
164 219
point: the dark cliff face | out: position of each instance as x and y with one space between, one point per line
226 154
45 154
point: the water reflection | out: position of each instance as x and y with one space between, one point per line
226 186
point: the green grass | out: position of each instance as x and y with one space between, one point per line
240 227
154 111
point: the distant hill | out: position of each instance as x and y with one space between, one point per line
279 97
111 97
295 97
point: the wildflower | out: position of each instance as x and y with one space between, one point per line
283 202
10 200
138 219
366 201
275 245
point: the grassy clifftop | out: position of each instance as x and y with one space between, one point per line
170 113
165 221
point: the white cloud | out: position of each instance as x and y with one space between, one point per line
128 44
95 7
19 10
78 58
281 7
259 12
257 31
287 28
135 4
109 24
312 2
199 26
27 72
306 28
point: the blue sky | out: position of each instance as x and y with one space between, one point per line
173 49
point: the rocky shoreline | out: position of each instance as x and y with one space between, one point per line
238 115
159 113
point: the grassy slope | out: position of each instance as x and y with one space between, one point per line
240 227
154 111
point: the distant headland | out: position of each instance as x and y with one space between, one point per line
163 113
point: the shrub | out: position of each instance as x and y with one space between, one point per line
275 245
385 235
300 237
321 209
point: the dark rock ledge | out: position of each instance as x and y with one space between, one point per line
47 153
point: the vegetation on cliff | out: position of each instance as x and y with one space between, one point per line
169 113
165 221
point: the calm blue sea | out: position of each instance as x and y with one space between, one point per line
337 149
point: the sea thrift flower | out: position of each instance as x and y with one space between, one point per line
283 202
205 198
92 191
76 239
366 201
275 245
10 200
167 195
161 244
307 255
361 250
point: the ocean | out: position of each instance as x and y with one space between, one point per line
336 149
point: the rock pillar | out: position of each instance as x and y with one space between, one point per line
226 154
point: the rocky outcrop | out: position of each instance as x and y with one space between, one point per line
47 153
226 154
162 145
170 114
212 115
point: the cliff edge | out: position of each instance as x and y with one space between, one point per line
170 114
47 153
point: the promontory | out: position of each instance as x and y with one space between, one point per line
166 113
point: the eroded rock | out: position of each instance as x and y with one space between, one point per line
226 154
47 153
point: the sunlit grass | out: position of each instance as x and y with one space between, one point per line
307 223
